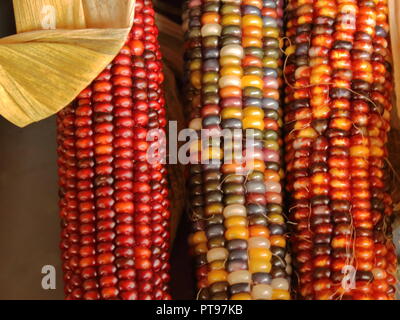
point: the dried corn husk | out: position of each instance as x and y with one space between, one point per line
42 71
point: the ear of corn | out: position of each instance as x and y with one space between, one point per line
337 118
233 63
338 77
113 201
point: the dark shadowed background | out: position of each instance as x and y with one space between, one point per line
29 224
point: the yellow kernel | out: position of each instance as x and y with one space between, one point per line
307 133
231 20
317 79
270 63
253 123
232 71
328 12
253 112
252 21
259 265
359 151
251 42
276 218
376 151
320 178
290 50
195 65
230 61
252 81
255 165
214 208
278 294
237 233
216 265
199 237
271 32
321 69
374 132
260 253
241 296
217 276
195 79
231 113
235 222
278 241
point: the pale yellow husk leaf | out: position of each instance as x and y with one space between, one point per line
43 71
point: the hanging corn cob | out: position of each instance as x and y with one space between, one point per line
114 204
233 64
337 112
385 265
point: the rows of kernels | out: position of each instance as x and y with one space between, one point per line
212 153
120 248
340 205
259 252
142 188
349 202
104 176
382 207
321 129
160 217
198 239
247 74
230 90
298 116
193 69
272 217
283 219
68 204
85 145
330 139
62 182
362 244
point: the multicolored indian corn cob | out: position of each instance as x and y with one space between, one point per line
233 79
337 115
113 201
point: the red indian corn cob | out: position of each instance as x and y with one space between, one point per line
337 108
113 201
233 77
